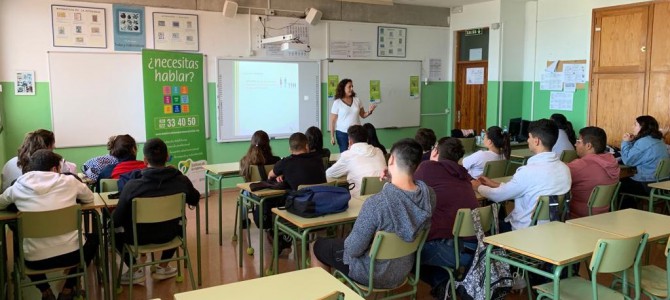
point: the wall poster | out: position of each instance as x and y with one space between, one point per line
82 27
176 32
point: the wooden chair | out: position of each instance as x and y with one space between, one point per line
495 169
468 144
609 256
156 210
603 196
464 227
662 173
541 212
371 185
45 224
386 245
109 185
568 156
654 281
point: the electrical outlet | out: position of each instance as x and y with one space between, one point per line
270 12
261 18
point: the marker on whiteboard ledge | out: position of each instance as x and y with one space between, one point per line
392 127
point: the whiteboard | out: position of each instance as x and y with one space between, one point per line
396 109
95 96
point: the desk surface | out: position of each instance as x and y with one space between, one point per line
260 193
104 197
556 243
310 284
334 157
664 185
232 168
521 153
499 179
350 214
628 222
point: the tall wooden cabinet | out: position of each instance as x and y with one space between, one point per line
630 66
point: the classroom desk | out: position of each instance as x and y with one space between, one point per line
334 157
557 243
218 172
628 222
308 284
481 198
659 190
512 145
299 227
258 198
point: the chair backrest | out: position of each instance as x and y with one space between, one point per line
468 144
464 225
335 295
158 209
42 224
662 170
541 212
616 255
568 156
371 185
511 168
387 245
329 183
495 169
326 162
109 185
603 195
255 174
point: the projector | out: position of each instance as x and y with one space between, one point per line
294 47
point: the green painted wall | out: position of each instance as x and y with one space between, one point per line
513 99
492 103
578 115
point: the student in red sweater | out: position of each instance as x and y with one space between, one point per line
594 167
453 190
124 148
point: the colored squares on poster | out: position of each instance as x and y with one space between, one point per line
167 90
167 109
176 99
184 90
184 98
185 108
175 90
167 99
176 109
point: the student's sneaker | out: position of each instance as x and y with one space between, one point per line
164 273
138 277
519 283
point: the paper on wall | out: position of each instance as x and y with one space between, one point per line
574 73
340 49
561 100
551 81
435 69
552 67
569 86
476 54
474 76
361 49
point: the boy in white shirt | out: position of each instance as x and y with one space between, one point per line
543 175
361 160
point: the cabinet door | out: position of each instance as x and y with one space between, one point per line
620 38
660 44
616 100
659 99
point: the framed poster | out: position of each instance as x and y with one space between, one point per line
391 41
129 33
81 27
24 83
176 32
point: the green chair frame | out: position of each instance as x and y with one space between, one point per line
609 256
495 168
662 173
386 245
603 195
654 281
109 185
44 224
469 144
568 156
155 210
254 175
464 227
371 185
541 212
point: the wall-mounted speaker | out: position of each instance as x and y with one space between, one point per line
313 16
230 9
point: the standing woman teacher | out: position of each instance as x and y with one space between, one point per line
346 111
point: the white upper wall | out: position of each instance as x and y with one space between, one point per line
26 36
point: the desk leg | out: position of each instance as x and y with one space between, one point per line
557 280
206 203
275 248
240 240
303 248
198 249
651 199
487 278
3 261
261 241
220 213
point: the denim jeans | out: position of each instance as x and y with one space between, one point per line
440 253
342 140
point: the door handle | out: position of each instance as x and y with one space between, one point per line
459 116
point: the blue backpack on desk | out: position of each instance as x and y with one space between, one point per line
316 201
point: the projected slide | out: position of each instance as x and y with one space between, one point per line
266 97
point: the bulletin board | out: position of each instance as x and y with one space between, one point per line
559 68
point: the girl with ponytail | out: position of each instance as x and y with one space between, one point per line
498 144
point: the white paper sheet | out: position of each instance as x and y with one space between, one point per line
474 76
551 81
435 69
561 100
574 73
476 54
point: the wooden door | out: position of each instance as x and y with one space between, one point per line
620 38
618 103
658 104
470 98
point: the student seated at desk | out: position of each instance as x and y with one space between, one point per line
33 141
258 154
44 189
642 149
361 160
404 207
566 135
372 137
157 180
426 138
451 183
124 149
315 141
543 175
594 167
94 166
498 144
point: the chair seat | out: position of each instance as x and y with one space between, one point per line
578 288
653 280
377 290
148 248
29 271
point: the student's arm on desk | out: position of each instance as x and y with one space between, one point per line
631 154
338 169
84 194
360 238
506 191
6 198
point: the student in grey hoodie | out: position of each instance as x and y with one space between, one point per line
404 207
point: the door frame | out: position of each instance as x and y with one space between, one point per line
457 48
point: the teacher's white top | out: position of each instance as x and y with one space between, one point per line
346 115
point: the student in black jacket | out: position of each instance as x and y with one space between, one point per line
156 180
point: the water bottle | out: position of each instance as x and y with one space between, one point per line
482 134
505 129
